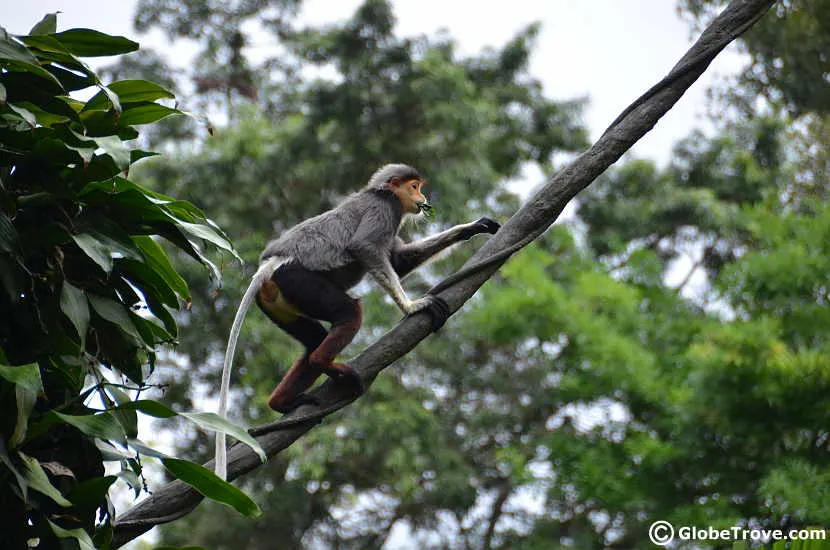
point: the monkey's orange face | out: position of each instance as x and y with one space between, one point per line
410 195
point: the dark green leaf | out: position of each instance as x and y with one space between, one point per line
75 306
39 481
150 281
102 425
91 492
25 114
113 99
90 43
157 259
115 313
209 234
145 113
137 154
207 483
145 449
150 407
96 250
214 422
47 25
116 149
6 460
81 536
130 91
27 376
27 386
11 50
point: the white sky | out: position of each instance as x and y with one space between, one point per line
608 50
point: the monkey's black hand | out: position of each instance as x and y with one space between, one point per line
438 310
482 225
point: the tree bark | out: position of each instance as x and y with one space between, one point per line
176 499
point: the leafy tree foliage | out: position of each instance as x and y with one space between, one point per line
788 49
88 294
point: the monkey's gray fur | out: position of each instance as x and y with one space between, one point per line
357 237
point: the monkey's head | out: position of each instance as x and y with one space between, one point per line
405 183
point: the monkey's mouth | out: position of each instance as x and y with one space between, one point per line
425 208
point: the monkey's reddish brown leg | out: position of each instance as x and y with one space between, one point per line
288 395
340 335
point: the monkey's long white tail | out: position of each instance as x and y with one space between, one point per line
262 274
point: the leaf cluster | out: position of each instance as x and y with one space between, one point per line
88 293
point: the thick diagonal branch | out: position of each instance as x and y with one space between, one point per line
177 499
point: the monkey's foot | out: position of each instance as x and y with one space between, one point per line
341 372
285 408
438 310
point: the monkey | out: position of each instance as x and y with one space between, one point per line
304 275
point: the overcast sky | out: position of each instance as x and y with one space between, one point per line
608 50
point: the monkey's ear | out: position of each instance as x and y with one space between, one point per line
393 183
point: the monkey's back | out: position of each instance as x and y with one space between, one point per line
321 243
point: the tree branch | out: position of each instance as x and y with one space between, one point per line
176 499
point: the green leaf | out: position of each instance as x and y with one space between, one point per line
145 112
25 401
212 421
47 25
157 259
84 542
113 99
150 407
130 91
116 313
149 281
27 386
207 421
145 449
111 453
102 425
3 95
207 483
39 481
116 149
6 460
11 50
27 376
37 70
25 114
137 154
207 233
96 250
91 492
90 43
76 307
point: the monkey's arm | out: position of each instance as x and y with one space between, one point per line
408 256
371 246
